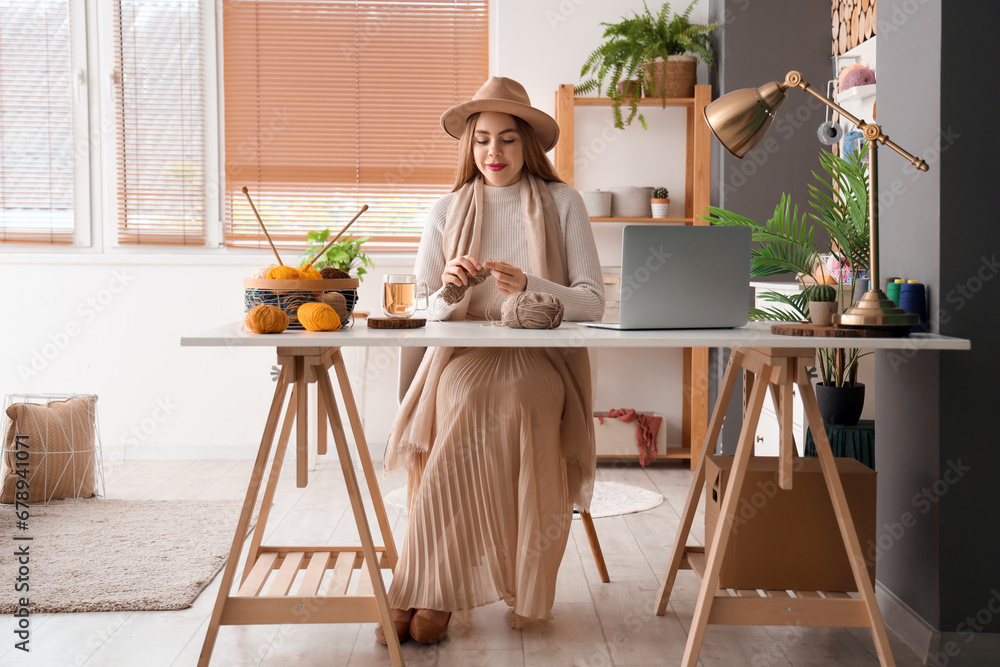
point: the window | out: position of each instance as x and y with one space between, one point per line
160 122
38 127
318 106
331 104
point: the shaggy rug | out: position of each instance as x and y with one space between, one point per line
117 555
610 499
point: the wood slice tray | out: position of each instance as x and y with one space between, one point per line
396 322
834 331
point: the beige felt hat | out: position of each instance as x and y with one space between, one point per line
503 95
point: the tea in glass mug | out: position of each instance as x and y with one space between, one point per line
402 294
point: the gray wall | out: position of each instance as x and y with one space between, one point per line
907 387
937 443
761 42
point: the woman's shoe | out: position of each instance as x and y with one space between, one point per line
401 619
427 630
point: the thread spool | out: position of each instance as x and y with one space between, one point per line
892 291
265 319
830 133
531 310
315 316
912 299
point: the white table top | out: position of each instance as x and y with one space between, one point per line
481 334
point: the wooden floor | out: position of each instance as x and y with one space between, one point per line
595 624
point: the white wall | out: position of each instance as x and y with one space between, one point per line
111 324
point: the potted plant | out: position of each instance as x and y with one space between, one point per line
657 54
822 304
785 244
659 202
346 254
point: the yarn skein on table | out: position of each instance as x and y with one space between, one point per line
265 319
531 310
316 316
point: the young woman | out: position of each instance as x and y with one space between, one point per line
498 442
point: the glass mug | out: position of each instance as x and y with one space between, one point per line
402 295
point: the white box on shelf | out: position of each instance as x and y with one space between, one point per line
616 438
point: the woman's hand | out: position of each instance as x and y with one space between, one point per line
510 279
457 271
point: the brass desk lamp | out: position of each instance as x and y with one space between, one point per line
740 119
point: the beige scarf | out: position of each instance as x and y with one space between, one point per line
413 429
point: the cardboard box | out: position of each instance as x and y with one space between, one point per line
616 438
789 540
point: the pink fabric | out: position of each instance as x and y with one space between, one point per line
646 428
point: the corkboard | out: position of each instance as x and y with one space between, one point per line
833 331
396 322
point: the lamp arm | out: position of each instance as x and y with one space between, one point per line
872 131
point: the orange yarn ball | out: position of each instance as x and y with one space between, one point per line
309 274
283 273
316 316
264 319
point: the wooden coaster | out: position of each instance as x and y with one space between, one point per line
833 331
396 322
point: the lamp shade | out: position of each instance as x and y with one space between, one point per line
740 119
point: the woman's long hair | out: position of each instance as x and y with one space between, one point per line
535 160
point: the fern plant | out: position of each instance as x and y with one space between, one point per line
786 244
634 42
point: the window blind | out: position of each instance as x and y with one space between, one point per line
160 122
331 104
36 122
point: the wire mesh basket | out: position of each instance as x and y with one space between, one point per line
290 294
51 448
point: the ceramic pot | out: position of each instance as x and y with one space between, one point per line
660 207
821 312
841 406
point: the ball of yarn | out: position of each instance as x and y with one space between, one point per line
844 71
859 76
338 302
264 319
318 317
309 273
333 273
283 273
531 310
263 271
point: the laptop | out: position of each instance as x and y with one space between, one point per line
683 278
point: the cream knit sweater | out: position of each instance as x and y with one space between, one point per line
503 240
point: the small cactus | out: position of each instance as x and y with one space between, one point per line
661 193
821 293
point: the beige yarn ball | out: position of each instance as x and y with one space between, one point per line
531 310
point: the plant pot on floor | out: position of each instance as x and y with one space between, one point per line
673 77
841 406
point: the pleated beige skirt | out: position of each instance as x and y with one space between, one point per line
489 511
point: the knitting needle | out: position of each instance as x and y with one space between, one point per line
329 243
247 193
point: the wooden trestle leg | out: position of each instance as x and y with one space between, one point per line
777 370
271 590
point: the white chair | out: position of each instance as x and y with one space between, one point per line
409 361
